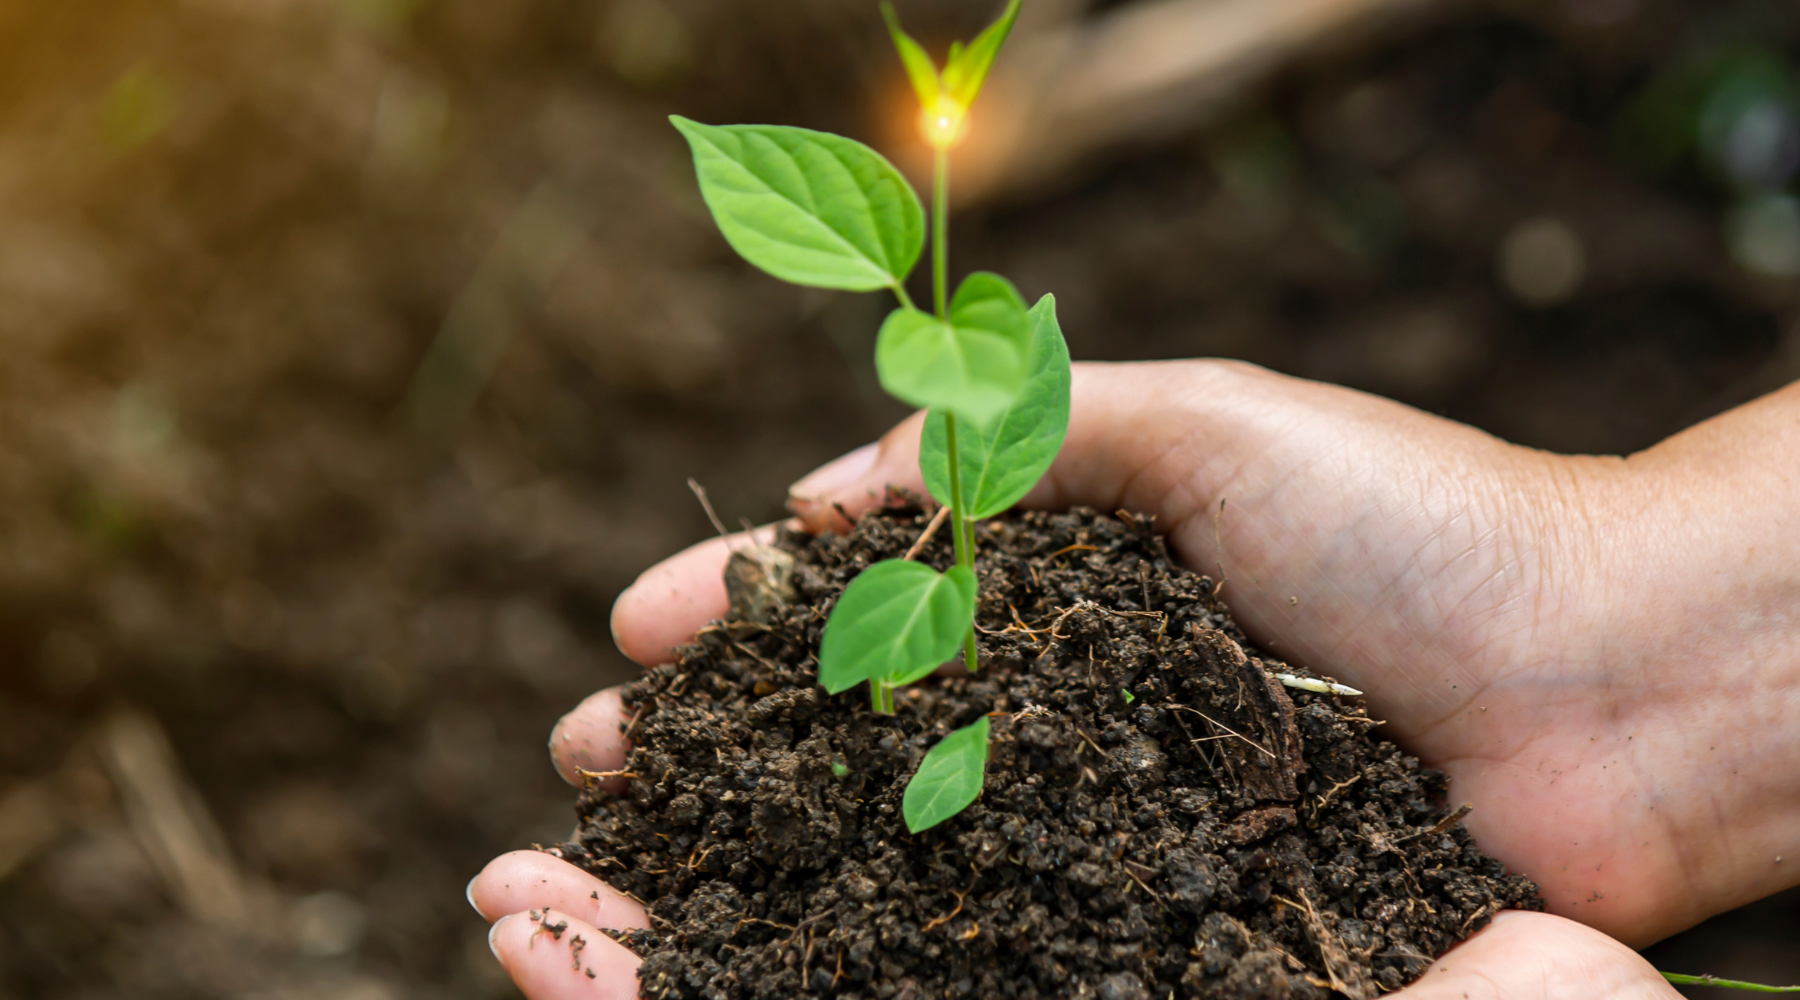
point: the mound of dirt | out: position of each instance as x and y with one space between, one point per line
1162 817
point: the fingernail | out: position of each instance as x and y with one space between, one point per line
469 894
612 620
834 476
493 938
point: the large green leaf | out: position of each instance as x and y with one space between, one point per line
1001 462
968 68
919 69
973 365
808 207
948 779
897 621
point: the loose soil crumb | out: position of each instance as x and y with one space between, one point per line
1211 835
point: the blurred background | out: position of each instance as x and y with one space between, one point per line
354 355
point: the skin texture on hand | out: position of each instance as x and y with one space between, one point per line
1603 653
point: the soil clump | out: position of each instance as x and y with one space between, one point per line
1161 817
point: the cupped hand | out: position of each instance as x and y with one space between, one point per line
1572 639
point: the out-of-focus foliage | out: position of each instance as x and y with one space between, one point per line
1736 111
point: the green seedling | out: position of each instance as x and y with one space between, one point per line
825 211
828 212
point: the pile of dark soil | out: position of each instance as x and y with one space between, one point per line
1161 816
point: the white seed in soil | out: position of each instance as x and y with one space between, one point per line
1315 685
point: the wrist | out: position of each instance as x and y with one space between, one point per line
1694 626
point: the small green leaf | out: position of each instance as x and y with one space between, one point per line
919 68
972 366
896 619
1129 697
808 207
948 779
1004 460
968 68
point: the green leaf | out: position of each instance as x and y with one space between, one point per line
972 366
968 68
1001 462
808 207
897 619
948 779
919 68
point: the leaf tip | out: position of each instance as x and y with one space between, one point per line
689 128
920 70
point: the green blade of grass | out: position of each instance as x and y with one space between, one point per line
1726 984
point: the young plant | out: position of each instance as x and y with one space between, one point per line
821 210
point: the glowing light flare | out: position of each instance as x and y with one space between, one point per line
944 124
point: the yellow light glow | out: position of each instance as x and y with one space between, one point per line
944 124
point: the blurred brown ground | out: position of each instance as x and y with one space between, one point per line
356 353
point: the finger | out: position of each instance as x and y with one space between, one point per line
1119 423
675 598
1121 433
1535 956
532 880
592 738
554 956
845 487
1126 423
1157 437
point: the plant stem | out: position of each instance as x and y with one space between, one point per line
940 232
881 698
900 293
965 554
940 282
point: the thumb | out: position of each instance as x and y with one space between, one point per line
1535 956
1122 448
1344 500
832 496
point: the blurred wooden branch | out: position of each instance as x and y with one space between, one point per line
170 819
29 821
1076 89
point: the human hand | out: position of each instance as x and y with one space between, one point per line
1536 625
